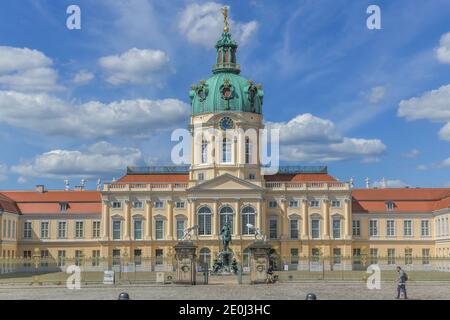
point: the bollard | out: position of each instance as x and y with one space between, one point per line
124 296
311 296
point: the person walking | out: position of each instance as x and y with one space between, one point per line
401 286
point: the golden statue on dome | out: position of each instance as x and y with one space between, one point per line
226 27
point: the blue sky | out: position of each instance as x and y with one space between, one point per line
85 103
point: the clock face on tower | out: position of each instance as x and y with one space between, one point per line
226 123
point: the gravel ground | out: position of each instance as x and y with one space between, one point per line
278 291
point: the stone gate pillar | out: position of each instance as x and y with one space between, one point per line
259 261
185 262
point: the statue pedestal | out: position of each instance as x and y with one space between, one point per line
185 262
259 261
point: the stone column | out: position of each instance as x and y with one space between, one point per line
169 220
348 219
283 223
149 219
215 220
127 216
326 219
237 222
105 220
305 218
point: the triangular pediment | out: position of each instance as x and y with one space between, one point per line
226 182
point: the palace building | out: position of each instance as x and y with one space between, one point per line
303 211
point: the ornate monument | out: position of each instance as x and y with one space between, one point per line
185 255
225 263
260 257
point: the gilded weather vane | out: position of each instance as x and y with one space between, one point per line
225 19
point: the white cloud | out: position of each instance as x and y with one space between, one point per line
443 52
377 94
92 161
3 171
136 66
443 164
422 167
53 116
203 24
312 139
414 153
386 183
83 77
26 70
432 105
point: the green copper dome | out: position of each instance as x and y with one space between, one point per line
226 90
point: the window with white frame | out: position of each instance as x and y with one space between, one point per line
425 228
226 217
273 228
390 228
314 204
293 203
117 229
200 176
425 256
248 151
79 229
408 256
159 229
390 205
204 155
335 203
9 228
336 228
251 176
27 230
407 228
293 224
180 205
248 217
61 258
62 229
63 206
45 229
137 229
373 228
315 228
373 253
95 229
204 217
14 229
226 150
137 204
159 204
180 229
273 204
116 204
356 228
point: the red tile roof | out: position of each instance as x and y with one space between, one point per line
8 205
405 199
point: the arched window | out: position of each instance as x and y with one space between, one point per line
246 258
248 217
204 221
226 217
205 256
226 150
204 151
248 151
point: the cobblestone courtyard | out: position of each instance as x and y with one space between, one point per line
290 291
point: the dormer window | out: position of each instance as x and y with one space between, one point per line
63 206
390 205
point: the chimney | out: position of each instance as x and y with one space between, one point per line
40 188
367 183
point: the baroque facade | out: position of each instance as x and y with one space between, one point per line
303 211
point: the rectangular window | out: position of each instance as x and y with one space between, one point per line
252 176
357 255
425 228
314 204
9 229
138 204
391 256
44 258
159 229
315 254
4 229
79 229
180 205
27 258
390 205
61 258
204 151
273 204
373 255
117 233
248 151
407 228
425 256
95 258
137 257
45 232
408 256
336 228
116 204
226 151
14 229
390 228
273 229
78 257
159 204
294 256
356 228
293 204
315 228
335 203
137 229
27 230
159 256
293 223
336 255
62 229
373 228
63 206
201 176
204 224
180 229
95 229
116 257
